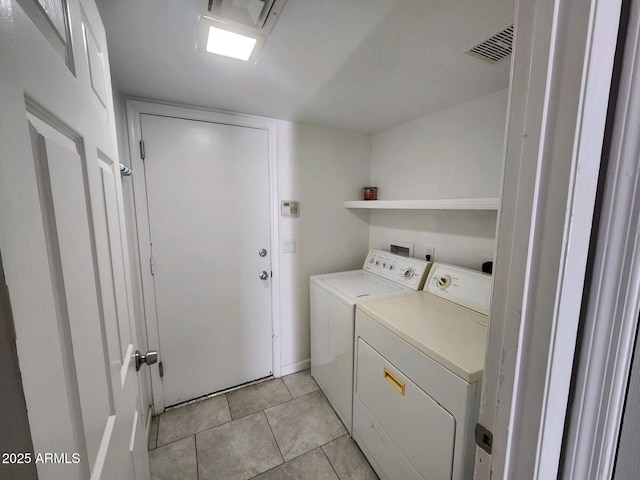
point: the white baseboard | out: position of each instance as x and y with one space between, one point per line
295 367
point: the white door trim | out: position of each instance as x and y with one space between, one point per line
559 94
614 299
138 107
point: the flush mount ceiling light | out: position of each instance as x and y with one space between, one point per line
229 44
228 40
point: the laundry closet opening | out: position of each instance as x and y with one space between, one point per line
391 100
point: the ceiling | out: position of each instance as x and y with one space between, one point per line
364 65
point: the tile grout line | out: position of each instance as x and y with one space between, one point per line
257 411
154 441
357 446
329 460
286 386
295 373
195 446
196 432
262 473
274 438
320 446
270 406
157 433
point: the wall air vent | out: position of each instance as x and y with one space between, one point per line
495 48
256 16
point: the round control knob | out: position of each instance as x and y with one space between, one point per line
390 267
384 265
444 281
371 260
408 273
377 263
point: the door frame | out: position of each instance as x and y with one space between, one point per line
561 77
135 108
604 362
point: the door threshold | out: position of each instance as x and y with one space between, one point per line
220 392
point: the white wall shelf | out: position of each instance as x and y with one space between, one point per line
435 204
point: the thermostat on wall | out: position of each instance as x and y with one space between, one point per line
289 208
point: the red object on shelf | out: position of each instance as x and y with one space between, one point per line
370 193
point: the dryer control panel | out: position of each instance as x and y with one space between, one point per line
469 288
406 271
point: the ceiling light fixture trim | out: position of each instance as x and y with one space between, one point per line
256 16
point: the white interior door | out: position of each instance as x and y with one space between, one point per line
63 244
208 200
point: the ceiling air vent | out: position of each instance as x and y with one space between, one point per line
495 48
256 16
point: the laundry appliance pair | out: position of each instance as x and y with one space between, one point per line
402 366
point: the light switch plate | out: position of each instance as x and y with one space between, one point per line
289 245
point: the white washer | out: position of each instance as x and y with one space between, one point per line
419 363
333 300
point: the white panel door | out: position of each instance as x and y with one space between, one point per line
208 201
63 244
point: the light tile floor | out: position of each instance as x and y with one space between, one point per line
279 429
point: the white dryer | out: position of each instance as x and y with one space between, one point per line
419 363
333 300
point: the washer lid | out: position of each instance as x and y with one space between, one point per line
356 285
363 285
450 334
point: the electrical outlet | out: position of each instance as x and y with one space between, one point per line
430 253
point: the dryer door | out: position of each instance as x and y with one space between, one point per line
421 429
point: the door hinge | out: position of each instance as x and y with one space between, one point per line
142 149
153 266
484 438
161 369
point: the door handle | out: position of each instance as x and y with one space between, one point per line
393 380
263 275
150 358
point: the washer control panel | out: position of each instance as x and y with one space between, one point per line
469 288
406 271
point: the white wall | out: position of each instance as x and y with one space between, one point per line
320 167
453 153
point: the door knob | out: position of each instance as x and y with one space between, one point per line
263 275
150 358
